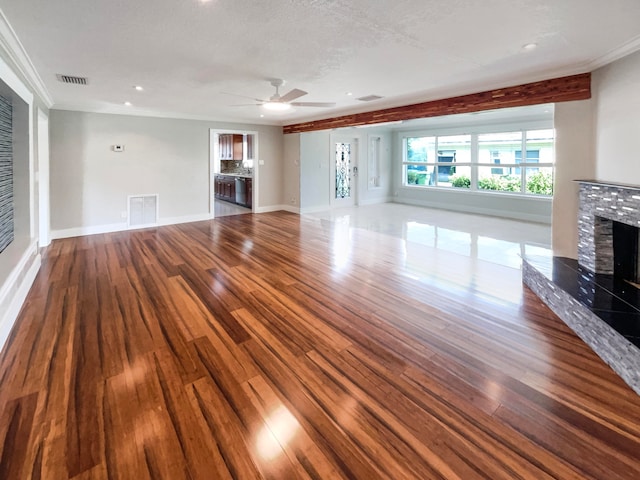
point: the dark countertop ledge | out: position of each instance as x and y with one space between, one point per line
243 175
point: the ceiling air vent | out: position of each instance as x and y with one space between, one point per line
71 79
370 98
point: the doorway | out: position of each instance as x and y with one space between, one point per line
233 172
344 171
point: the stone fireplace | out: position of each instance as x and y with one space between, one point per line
608 212
597 295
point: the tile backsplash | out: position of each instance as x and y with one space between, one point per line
234 166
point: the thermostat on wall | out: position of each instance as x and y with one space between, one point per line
118 148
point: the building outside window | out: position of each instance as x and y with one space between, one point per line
482 161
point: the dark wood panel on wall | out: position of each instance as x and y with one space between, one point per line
574 87
6 174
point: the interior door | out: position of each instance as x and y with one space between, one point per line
344 171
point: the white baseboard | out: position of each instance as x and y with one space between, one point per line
82 231
119 227
323 208
15 289
526 217
289 208
277 208
362 203
185 219
375 201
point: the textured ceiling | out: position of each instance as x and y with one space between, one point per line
187 53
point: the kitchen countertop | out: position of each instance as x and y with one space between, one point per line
243 175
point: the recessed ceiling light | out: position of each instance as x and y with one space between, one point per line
138 88
530 46
127 104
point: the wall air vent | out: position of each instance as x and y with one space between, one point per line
71 79
143 210
370 98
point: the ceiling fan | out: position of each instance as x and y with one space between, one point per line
284 102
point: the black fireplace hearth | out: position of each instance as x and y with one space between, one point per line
597 295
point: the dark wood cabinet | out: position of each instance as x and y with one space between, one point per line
225 188
230 146
237 147
223 147
249 187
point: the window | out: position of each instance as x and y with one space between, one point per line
435 160
517 162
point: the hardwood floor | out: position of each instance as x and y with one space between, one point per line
278 346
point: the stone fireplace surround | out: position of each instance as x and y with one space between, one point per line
600 205
603 311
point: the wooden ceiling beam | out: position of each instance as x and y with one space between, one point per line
564 89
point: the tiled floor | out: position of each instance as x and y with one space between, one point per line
224 209
448 230
451 250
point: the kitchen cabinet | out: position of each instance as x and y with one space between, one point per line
225 188
250 146
223 146
249 201
237 147
230 146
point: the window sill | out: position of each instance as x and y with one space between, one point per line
467 191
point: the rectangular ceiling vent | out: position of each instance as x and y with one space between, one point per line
369 98
143 210
71 79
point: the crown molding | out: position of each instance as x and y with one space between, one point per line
173 115
625 49
17 54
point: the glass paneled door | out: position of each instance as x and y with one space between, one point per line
344 171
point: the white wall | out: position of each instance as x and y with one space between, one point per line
316 164
575 160
315 175
291 171
368 194
90 182
596 140
20 261
616 93
502 205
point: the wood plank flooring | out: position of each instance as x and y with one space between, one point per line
261 346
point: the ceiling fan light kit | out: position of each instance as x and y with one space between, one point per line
276 106
278 103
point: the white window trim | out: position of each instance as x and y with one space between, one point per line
474 131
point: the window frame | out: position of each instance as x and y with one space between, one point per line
475 166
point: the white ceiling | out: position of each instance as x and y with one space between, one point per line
186 53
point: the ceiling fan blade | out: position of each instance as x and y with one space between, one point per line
242 96
292 95
313 104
